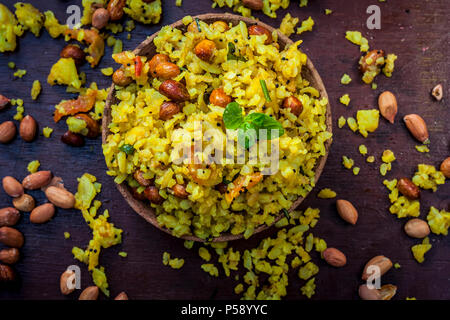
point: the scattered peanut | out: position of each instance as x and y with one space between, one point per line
7 273
10 255
180 191
11 237
219 98
120 78
417 126
24 203
408 188
155 61
174 90
9 216
387 103
152 194
7 131
371 56
205 49
138 176
3 101
100 18
37 180
168 109
347 211
383 263
294 104
90 293
67 282
437 92
115 9
167 70
257 30
220 25
334 257
417 228
387 291
121 296
28 128
60 197
42 213
368 294
12 187
74 52
72 139
253 4
445 167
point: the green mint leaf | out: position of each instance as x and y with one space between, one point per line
232 116
262 121
247 135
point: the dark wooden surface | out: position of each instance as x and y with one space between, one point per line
416 31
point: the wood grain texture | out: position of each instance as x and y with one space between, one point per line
416 31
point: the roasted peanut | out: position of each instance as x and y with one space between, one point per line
168 109
220 25
347 211
387 103
11 237
121 296
42 213
115 9
7 273
334 257
437 92
174 90
37 180
383 263
10 255
192 27
120 78
100 18
294 104
387 291
9 216
253 4
138 176
137 195
7 131
417 228
257 30
180 191
72 139
205 49
445 167
67 282
408 188
90 293
60 197
27 128
219 98
167 70
152 194
74 52
155 61
92 125
24 203
12 187
3 101
368 294
221 187
369 60
417 126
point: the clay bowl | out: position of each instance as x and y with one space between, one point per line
146 48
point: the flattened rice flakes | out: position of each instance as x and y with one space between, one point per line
307 25
9 29
427 177
174 263
29 17
143 11
64 72
326 193
401 206
367 121
288 24
419 250
35 89
33 166
356 37
439 221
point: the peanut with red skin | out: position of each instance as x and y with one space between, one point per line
219 98
257 30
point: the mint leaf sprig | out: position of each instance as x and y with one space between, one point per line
250 124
